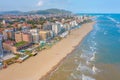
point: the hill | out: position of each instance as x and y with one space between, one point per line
41 12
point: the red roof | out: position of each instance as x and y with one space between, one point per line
9 42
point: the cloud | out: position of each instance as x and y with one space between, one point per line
40 3
45 4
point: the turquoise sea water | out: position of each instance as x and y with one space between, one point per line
97 57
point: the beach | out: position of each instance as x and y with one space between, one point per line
47 60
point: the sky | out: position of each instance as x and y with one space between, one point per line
76 6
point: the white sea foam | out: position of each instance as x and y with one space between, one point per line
92 48
97 28
89 56
88 62
112 19
87 77
105 33
93 57
85 56
95 43
95 70
73 76
84 68
118 25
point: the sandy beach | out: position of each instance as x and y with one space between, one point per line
36 67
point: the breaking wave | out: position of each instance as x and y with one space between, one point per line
112 19
84 77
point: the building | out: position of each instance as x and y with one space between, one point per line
4 22
9 45
5 36
51 34
56 28
11 34
35 35
25 28
73 23
20 36
39 26
8 34
67 26
1 48
47 26
27 37
14 47
44 35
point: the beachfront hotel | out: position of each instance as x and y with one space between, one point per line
23 36
18 37
35 35
56 28
44 35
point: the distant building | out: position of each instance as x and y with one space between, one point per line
1 48
35 35
47 26
4 22
11 34
5 36
67 26
73 23
39 26
8 34
25 28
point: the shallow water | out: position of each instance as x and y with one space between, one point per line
97 57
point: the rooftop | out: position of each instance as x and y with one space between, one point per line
9 42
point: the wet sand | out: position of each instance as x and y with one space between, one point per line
37 67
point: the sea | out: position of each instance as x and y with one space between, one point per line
97 57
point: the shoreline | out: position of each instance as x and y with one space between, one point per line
46 61
57 66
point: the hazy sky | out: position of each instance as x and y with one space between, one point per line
76 6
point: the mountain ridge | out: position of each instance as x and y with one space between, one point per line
41 12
